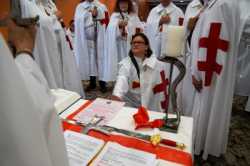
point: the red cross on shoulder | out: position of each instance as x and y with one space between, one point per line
162 87
213 43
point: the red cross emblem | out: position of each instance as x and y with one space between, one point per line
180 21
135 84
162 87
212 43
105 21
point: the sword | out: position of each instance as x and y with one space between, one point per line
154 139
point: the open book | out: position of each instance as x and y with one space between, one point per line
86 150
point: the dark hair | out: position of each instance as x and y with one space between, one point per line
130 6
71 22
145 38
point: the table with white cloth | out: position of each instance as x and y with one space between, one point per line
124 120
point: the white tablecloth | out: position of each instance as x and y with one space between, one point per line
124 120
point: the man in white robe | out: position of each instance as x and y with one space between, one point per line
164 13
123 24
52 51
89 45
214 46
243 67
188 91
22 140
37 86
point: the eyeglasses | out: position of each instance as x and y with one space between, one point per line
137 42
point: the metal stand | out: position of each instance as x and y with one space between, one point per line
172 124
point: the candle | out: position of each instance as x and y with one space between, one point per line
173 40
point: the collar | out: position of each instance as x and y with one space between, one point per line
150 62
87 4
169 8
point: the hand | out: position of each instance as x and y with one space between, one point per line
197 84
122 24
23 38
94 12
192 22
116 98
165 19
58 14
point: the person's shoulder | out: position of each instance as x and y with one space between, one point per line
155 9
177 9
125 61
80 5
101 5
114 15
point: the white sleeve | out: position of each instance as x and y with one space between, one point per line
122 85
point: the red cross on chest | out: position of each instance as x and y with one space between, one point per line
105 21
162 87
212 43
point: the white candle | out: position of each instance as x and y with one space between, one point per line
173 40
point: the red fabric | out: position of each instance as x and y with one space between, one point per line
141 119
212 43
162 87
105 21
135 84
181 20
162 152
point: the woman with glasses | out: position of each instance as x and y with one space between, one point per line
124 22
142 79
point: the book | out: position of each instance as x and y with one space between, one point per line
105 108
114 154
86 150
81 148
64 99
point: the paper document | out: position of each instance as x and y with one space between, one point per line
101 107
81 148
114 154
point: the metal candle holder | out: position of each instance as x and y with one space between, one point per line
172 124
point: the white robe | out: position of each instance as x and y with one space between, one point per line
188 90
152 26
23 141
52 51
212 109
44 101
116 47
88 63
243 67
150 76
